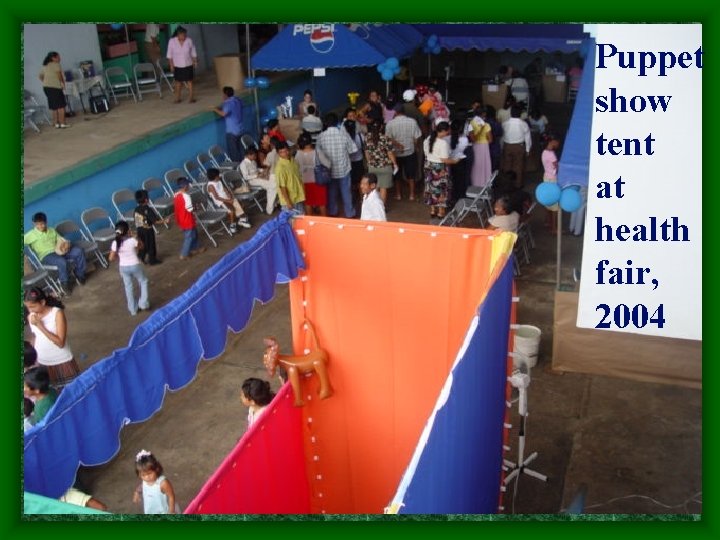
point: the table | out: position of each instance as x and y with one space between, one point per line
78 88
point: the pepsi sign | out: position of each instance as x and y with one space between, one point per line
322 36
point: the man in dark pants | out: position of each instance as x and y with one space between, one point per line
145 218
232 111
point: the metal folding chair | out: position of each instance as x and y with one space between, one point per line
146 80
241 189
119 83
70 231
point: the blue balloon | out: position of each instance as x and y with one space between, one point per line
396 70
381 68
547 193
250 82
116 26
570 199
263 82
392 62
388 75
264 120
436 49
272 113
432 40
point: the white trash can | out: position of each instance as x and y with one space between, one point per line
527 344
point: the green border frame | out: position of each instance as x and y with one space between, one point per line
11 19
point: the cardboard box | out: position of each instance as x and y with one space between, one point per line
290 128
554 88
229 71
495 95
120 49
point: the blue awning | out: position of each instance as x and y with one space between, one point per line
575 159
308 46
398 40
566 38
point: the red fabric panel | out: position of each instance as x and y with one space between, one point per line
265 472
391 308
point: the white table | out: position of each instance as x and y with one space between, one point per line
77 88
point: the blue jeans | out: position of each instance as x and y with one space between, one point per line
234 147
343 185
190 242
136 272
76 256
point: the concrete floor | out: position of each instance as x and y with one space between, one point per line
636 446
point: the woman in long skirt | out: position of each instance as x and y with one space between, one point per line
438 184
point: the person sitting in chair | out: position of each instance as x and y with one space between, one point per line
53 250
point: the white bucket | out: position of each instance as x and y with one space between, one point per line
527 344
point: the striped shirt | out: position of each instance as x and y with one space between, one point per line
405 131
337 145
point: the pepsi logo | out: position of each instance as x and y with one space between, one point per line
322 36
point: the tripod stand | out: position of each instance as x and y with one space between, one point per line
521 381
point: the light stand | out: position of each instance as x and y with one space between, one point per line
447 81
521 381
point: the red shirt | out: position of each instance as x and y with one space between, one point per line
277 134
184 217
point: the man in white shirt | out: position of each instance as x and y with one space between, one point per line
516 144
373 208
311 123
152 42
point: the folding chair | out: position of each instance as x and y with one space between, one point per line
53 274
28 117
159 198
234 180
70 231
247 141
32 108
221 158
163 68
171 178
146 80
194 172
209 218
43 279
206 162
119 83
99 227
125 211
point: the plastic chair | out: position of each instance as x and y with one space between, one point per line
146 80
70 230
221 158
119 83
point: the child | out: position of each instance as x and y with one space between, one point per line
260 177
255 395
373 208
28 408
145 218
550 172
505 217
185 217
37 388
289 181
156 491
225 201
125 248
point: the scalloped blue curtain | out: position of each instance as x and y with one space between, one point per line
163 353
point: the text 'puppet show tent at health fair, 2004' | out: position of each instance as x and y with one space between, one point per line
416 419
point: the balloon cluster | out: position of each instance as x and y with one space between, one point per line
259 82
389 68
431 45
550 193
271 115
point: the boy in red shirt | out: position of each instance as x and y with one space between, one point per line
185 218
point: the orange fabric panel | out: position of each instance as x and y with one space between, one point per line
391 308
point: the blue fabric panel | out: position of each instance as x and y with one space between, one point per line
398 40
163 353
339 48
459 469
575 160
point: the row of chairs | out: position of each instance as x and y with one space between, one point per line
34 112
479 201
147 79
